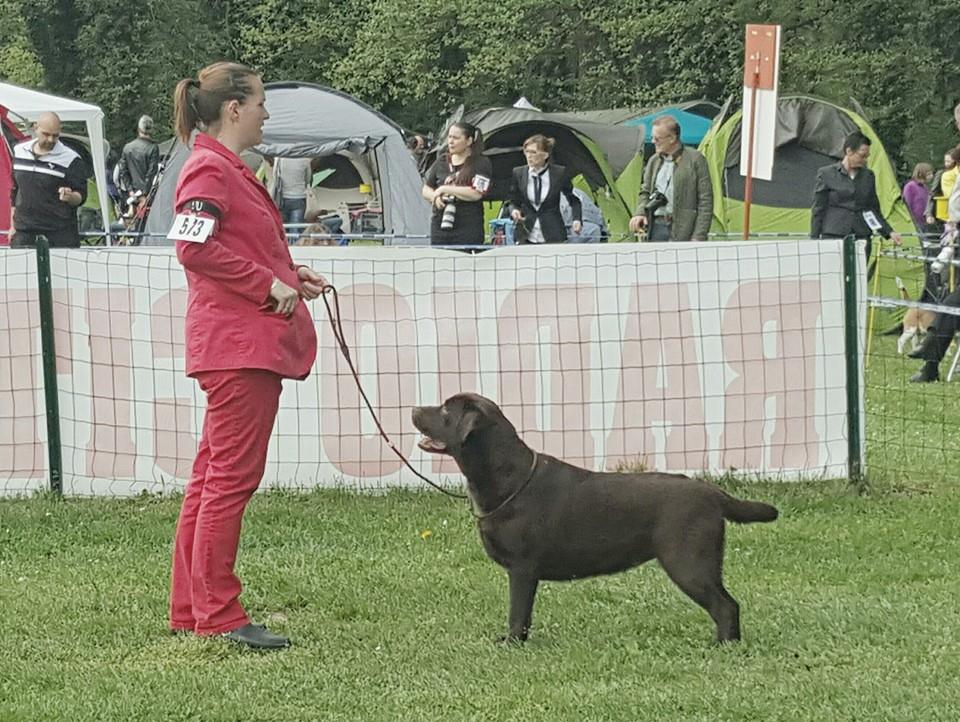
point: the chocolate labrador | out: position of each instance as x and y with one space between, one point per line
541 518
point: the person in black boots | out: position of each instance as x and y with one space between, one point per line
937 341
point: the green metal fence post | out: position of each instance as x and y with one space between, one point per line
49 365
852 339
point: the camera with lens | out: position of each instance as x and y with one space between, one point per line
654 201
449 213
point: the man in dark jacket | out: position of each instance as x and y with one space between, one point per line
49 183
677 181
845 197
139 160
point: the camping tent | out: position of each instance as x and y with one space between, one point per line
599 153
30 104
809 135
363 153
694 116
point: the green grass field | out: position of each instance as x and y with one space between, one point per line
849 607
911 429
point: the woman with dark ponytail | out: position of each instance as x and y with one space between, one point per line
455 186
247 329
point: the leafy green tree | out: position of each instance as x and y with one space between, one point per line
295 39
133 56
52 30
417 62
18 62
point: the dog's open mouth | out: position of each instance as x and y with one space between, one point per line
432 445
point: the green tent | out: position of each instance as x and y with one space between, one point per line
809 135
597 154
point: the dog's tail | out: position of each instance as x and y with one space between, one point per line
902 288
744 512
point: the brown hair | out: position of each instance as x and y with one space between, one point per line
955 153
921 171
542 142
197 103
476 149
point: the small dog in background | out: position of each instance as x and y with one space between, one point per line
316 234
916 321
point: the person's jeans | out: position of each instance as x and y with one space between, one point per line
204 589
659 230
292 210
67 238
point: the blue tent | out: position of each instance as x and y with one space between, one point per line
693 127
695 118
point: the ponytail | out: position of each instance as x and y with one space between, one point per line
198 102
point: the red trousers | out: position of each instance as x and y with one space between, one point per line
241 408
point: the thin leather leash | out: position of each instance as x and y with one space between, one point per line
514 495
345 351
338 334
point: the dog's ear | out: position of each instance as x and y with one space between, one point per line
473 419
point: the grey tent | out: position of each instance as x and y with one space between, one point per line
360 147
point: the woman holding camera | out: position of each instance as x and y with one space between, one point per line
455 186
535 194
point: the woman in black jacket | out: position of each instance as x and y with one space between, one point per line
535 194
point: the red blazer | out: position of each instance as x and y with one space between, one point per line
230 323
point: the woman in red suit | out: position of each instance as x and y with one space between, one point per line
247 328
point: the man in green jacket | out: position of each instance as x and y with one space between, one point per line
676 200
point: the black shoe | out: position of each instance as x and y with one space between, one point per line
257 636
929 373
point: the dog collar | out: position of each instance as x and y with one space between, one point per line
514 495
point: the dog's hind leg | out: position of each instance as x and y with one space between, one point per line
908 333
697 568
523 590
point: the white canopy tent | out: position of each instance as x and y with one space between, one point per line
30 104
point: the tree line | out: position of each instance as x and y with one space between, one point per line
417 61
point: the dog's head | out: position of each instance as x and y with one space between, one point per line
316 234
462 420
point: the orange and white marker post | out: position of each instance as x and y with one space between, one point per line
761 71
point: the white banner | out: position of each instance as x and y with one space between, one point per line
683 357
762 54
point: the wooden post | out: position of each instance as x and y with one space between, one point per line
748 181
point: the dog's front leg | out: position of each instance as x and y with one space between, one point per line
523 589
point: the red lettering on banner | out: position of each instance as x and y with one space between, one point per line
62 331
788 376
22 401
111 452
175 444
458 355
659 383
167 316
568 317
21 386
393 393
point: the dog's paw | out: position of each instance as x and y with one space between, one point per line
511 640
